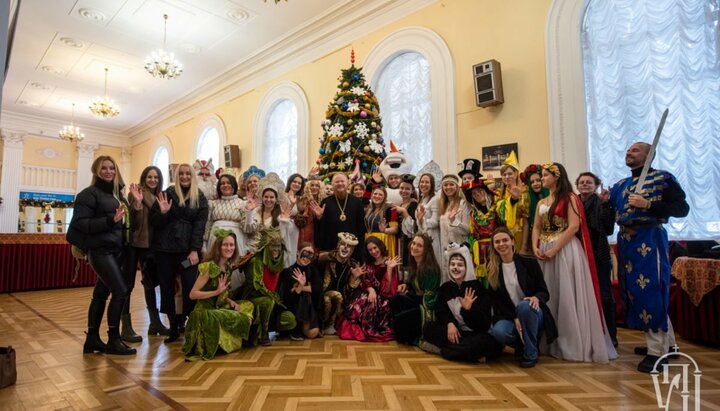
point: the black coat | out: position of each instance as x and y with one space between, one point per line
181 229
287 282
532 284
92 227
477 317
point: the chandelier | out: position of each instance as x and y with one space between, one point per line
104 108
161 63
72 132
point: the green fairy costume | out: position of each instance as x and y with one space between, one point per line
263 276
213 323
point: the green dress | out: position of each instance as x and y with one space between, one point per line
213 324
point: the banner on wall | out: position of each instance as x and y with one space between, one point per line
47 197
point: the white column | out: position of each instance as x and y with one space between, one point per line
11 176
125 161
86 155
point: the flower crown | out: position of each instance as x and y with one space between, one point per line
552 168
221 233
530 170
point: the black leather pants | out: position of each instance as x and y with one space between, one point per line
110 281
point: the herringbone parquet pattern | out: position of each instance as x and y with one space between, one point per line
46 328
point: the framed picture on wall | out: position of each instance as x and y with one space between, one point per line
493 156
171 170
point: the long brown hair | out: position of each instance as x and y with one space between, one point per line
431 193
275 212
377 210
493 267
215 252
563 189
143 177
428 262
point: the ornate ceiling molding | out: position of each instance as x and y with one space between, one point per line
43 127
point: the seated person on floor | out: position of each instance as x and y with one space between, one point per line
300 290
216 322
262 277
462 314
337 265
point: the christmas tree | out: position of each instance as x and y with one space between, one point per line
352 137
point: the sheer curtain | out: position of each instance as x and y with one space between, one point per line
161 160
640 57
281 139
403 92
209 146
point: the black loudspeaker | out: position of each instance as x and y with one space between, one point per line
232 156
488 84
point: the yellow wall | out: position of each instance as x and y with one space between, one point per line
65 153
510 31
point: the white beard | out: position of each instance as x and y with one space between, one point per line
207 188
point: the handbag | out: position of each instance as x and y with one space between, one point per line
8 370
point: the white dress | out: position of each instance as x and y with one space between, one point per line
430 225
572 298
227 212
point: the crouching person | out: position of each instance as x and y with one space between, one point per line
462 314
337 270
519 296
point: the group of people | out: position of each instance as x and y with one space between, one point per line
461 272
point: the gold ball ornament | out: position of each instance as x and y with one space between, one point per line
350 122
332 164
346 84
366 149
367 106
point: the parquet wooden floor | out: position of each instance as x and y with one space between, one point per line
46 328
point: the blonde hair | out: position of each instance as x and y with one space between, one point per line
118 182
493 267
193 193
445 201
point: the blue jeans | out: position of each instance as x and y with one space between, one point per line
505 333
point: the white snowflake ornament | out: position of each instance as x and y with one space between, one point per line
344 146
353 107
336 130
361 130
358 90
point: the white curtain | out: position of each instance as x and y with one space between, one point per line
640 57
281 139
209 146
403 92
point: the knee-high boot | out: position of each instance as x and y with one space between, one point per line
93 342
128 334
156 326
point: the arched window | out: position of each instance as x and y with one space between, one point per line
208 146
429 66
641 56
281 130
281 139
403 92
161 160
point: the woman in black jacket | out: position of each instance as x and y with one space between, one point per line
462 314
519 297
97 227
178 218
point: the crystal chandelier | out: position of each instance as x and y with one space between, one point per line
104 108
161 63
72 132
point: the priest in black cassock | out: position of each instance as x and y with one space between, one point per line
340 212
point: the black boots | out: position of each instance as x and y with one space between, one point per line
156 326
128 334
93 343
115 345
173 334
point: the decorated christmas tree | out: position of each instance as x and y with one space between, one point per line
352 141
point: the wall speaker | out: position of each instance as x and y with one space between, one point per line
232 156
488 84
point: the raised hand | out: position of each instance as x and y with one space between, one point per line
285 210
377 176
514 190
136 193
299 276
402 289
453 213
251 204
358 270
467 301
383 225
604 195
164 203
393 262
420 213
316 209
314 171
119 213
222 284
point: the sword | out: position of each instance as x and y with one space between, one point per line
651 154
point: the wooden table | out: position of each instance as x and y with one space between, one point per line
695 305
